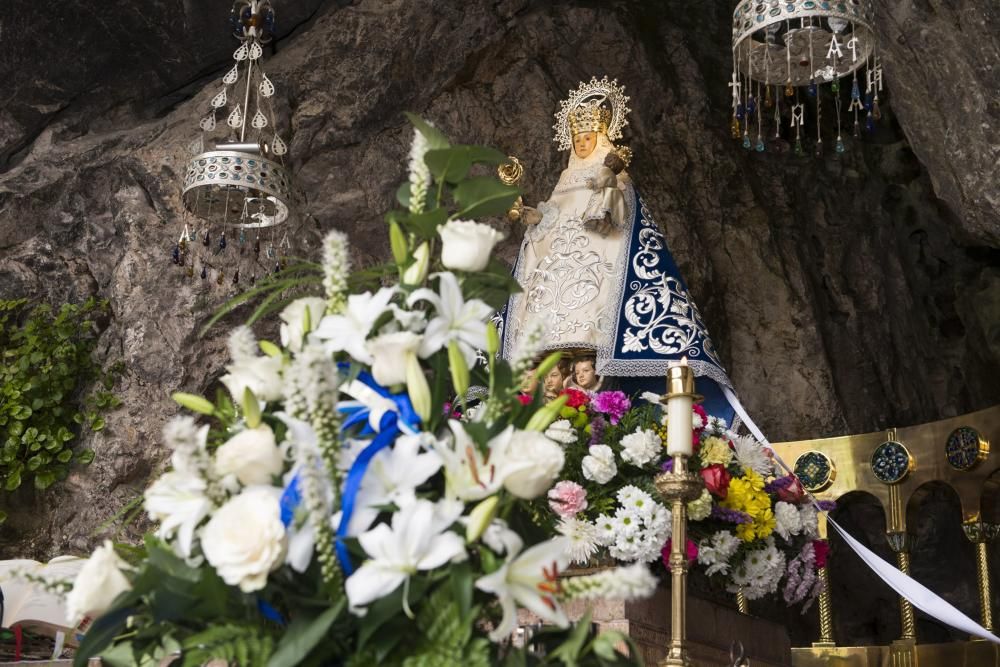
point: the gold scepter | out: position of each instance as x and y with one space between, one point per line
510 173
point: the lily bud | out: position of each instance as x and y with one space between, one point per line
547 365
416 274
492 339
193 402
459 370
417 388
548 414
397 241
251 408
480 518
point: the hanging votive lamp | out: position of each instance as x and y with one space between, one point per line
786 52
237 187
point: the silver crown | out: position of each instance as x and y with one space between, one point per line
797 42
604 93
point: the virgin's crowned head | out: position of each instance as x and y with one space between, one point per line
585 122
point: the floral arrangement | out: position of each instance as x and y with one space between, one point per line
751 528
328 510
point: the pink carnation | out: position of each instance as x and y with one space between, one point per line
690 547
567 499
612 403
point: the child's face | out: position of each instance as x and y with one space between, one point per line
585 375
553 382
584 143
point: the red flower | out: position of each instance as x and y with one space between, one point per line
716 479
792 493
692 552
525 399
700 411
822 550
577 398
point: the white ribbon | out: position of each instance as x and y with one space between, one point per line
919 595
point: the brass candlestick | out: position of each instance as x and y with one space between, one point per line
825 603
678 487
981 533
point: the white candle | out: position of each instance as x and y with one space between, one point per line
680 417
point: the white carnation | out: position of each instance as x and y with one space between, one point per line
641 447
561 431
700 508
788 522
599 466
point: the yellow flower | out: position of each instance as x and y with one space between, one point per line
715 450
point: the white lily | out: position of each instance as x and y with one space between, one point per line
418 540
178 501
530 580
392 477
348 331
457 319
469 473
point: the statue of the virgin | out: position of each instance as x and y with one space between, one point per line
595 266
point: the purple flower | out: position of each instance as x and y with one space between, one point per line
667 466
597 426
827 505
612 403
779 484
728 515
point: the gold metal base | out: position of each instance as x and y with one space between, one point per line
953 654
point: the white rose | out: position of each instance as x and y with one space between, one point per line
392 353
538 461
561 431
252 455
599 466
467 245
262 375
245 539
293 318
641 447
97 585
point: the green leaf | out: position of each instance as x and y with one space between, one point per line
13 481
164 559
435 138
569 650
44 480
403 195
453 164
85 457
100 635
3 517
483 196
97 424
425 225
303 635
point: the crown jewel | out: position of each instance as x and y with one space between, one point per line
596 106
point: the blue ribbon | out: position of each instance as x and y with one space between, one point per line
397 416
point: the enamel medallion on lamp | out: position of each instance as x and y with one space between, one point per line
785 51
237 186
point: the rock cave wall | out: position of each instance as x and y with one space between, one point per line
845 293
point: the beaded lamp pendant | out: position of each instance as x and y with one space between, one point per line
784 51
237 188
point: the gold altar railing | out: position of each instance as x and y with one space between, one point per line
892 466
